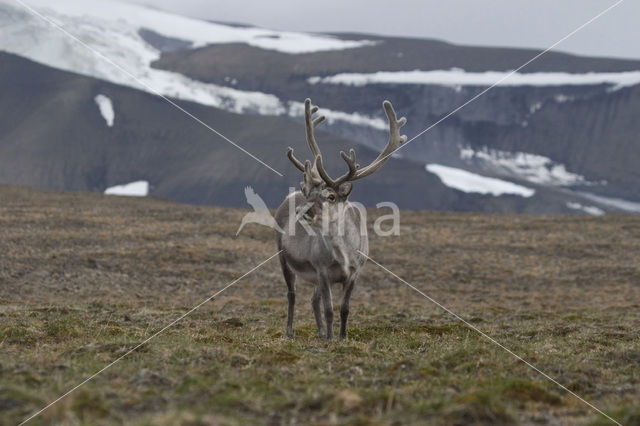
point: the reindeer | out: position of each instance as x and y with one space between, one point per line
324 238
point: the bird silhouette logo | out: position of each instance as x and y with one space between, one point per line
260 214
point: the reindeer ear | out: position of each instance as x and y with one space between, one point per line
345 189
304 189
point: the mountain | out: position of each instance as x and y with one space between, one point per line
558 136
54 135
586 125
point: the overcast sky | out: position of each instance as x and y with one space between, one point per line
519 23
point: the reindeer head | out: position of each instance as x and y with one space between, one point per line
318 187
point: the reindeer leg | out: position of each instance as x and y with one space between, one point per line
315 303
344 305
325 290
290 279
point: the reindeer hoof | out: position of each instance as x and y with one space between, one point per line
290 334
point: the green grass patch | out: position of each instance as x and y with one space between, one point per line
238 367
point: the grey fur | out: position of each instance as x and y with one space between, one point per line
323 236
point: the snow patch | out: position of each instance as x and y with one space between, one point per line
296 109
113 30
114 34
134 189
530 167
562 98
106 108
535 107
592 210
457 77
131 18
616 203
468 182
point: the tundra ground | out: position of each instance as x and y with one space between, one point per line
84 278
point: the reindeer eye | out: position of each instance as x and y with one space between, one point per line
331 197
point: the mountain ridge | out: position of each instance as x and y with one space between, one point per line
571 143
534 120
151 140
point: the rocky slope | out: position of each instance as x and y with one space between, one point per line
52 135
559 136
590 129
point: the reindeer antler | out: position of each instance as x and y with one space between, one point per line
395 140
317 171
351 163
294 160
311 124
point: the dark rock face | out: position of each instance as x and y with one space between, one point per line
254 67
163 43
52 136
592 130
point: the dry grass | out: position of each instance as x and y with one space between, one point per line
83 278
